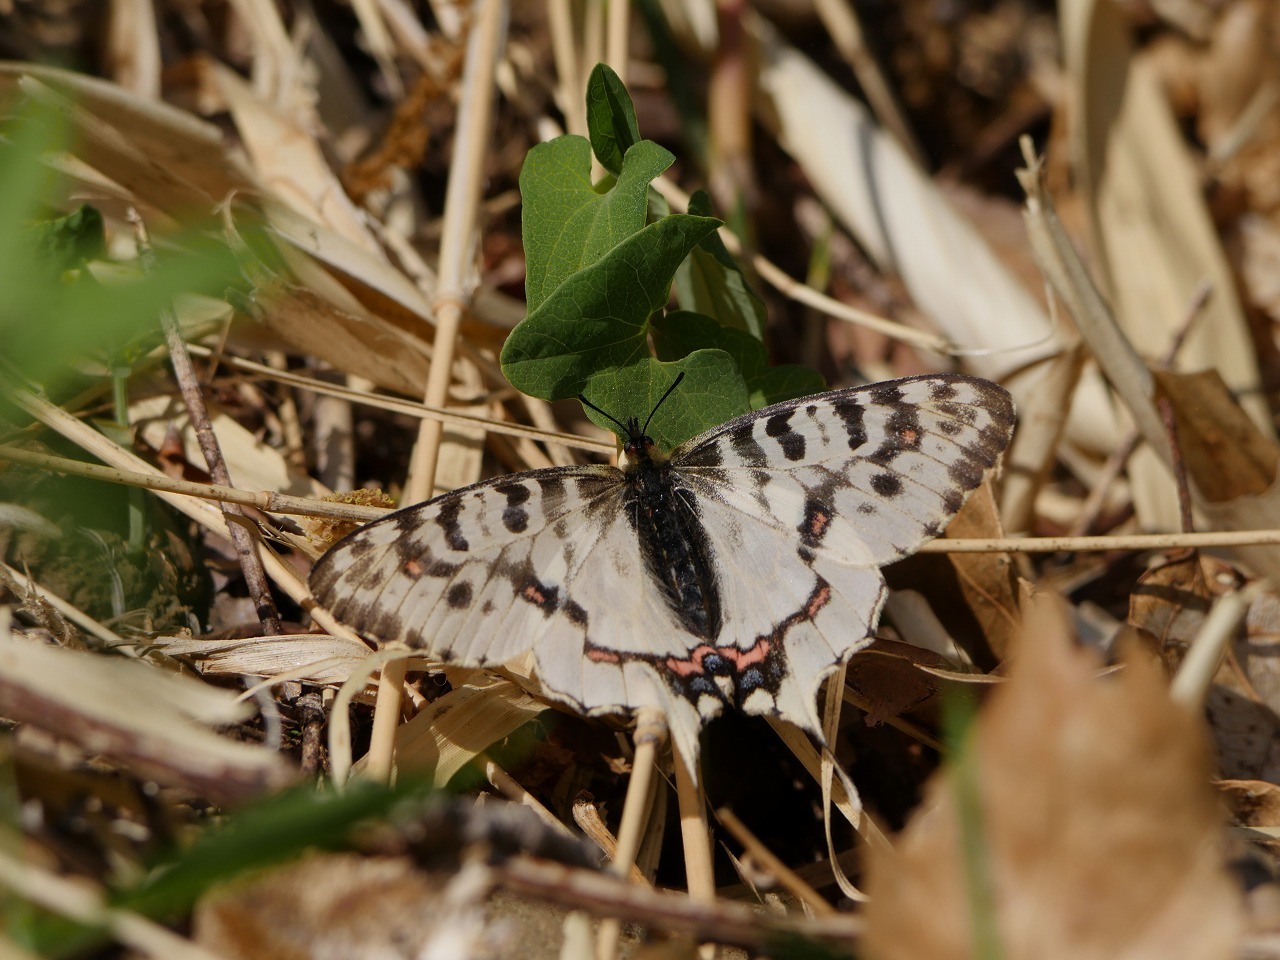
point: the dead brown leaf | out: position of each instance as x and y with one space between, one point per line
1097 830
988 581
1170 602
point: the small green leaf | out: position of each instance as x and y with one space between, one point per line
784 382
611 118
712 392
597 319
567 222
273 831
681 332
69 242
711 283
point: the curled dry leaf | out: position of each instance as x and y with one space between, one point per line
1170 602
1091 826
988 581
1231 464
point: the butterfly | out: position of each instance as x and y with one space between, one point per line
739 570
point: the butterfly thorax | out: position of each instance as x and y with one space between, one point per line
672 540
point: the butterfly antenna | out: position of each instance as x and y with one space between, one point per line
604 413
674 383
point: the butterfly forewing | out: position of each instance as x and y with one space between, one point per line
788 514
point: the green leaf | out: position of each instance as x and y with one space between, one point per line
69 242
711 283
712 392
567 222
598 318
277 829
48 323
784 382
681 332
611 118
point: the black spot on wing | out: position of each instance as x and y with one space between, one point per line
552 485
816 522
459 596
386 625
959 412
902 432
357 547
442 569
952 501
447 519
886 394
966 473
708 454
779 428
942 390
514 515
852 415
887 485
747 449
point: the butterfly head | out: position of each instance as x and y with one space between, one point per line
638 447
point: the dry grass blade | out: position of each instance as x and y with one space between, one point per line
154 722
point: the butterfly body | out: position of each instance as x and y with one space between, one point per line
670 536
739 571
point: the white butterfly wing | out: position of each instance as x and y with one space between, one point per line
544 560
803 502
799 505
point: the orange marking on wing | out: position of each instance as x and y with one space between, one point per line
818 524
746 658
693 664
819 600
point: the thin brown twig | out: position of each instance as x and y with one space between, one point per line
1115 463
271 502
1176 464
185 372
771 862
651 732
268 501
718 921
462 198
695 834
411 408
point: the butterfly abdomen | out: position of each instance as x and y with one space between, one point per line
674 547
